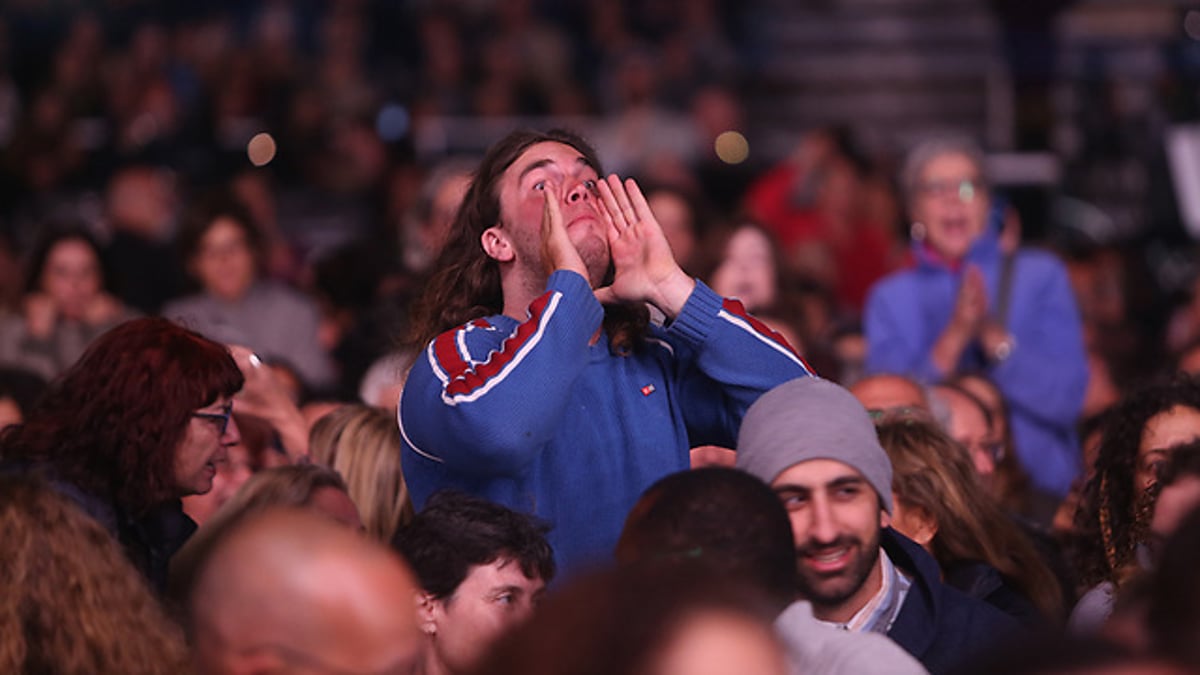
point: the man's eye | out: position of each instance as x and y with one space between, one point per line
505 599
540 185
792 500
590 184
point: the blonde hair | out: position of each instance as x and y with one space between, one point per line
71 602
292 485
362 443
933 473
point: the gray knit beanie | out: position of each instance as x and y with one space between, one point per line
810 418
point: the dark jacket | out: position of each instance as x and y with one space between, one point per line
940 626
983 582
149 539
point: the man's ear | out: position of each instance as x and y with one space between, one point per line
427 612
885 519
496 244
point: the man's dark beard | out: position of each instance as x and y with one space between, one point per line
857 573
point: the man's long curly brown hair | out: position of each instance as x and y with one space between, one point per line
71 603
465 284
111 424
1112 517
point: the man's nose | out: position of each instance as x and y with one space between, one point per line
823 528
578 192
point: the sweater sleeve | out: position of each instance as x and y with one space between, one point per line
484 402
727 359
1046 374
896 342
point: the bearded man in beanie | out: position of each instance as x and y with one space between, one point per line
815 445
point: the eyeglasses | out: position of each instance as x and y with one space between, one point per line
220 420
965 190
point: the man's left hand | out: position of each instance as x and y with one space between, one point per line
645 267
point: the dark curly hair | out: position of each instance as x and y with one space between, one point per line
465 283
1113 515
456 531
110 424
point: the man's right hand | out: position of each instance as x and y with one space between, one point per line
558 253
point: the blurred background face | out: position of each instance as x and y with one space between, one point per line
952 203
224 262
71 277
1180 424
675 217
748 270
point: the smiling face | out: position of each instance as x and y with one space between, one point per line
836 523
563 171
951 200
204 444
492 599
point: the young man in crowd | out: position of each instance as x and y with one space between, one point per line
732 522
481 567
815 445
543 385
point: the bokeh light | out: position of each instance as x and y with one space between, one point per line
732 147
392 122
261 149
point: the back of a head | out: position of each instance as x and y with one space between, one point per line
723 518
287 588
362 443
885 392
455 532
285 486
71 602
634 620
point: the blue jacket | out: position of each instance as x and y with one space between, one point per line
1043 379
938 625
530 415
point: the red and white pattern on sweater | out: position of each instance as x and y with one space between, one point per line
734 312
464 379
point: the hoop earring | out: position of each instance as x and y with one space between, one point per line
917 231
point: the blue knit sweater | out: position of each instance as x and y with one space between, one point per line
532 416
1043 380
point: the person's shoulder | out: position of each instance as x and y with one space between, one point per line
1038 260
900 284
813 646
276 292
184 305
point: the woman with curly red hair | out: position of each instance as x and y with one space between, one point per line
137 423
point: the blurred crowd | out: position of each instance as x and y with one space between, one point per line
218 215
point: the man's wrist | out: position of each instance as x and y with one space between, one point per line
672 294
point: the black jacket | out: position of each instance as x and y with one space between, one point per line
939 625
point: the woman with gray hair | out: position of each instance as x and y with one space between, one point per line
974 303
